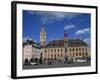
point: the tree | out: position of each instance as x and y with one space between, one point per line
26 61
32 60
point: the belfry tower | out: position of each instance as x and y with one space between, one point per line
65 39
42 37
65 43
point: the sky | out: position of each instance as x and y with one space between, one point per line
77 25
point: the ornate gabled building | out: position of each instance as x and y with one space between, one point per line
58 50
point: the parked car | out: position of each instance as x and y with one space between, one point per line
68 62
49 63
33 63
81 60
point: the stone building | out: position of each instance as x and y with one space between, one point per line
55 50
59 50
31 51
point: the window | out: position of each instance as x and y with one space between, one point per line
51 55
83 53
76 49
55 55
79 54
58 50
76 54
82 49
55 50
73 49
58 55
79 49
86 54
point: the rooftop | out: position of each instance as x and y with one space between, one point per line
71 43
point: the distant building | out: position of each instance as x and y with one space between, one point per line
31 50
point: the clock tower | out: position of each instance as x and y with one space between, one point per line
42 37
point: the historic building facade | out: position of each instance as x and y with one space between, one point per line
55 50
31 51
59 50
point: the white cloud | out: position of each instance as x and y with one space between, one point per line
88 41
50 17
82 31
69 27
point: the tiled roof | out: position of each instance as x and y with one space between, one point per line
76 43
71 43
57 43
31 42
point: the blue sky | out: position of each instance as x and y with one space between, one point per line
77 25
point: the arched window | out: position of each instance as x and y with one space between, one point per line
76 54
58 55
73 49
79 49
58 50
51 55
55 55
79 54
83 53
82 49
55 50
86 54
